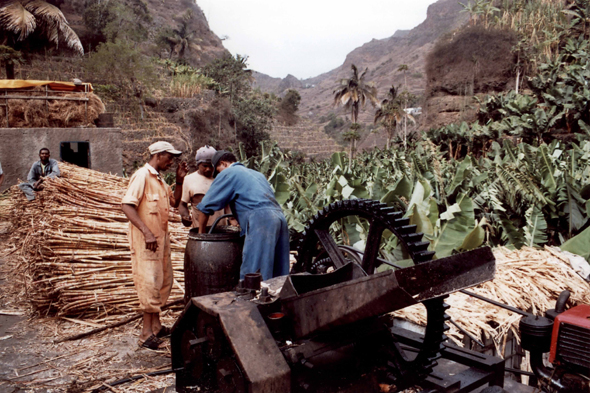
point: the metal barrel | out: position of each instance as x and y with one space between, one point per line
212 261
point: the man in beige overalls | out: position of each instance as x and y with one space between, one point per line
147 204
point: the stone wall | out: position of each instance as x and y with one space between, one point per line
309 139
20 148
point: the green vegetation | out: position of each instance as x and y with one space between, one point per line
9 58
114 20
182 40
121 64
253 111
519 175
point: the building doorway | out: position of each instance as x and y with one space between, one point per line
77 153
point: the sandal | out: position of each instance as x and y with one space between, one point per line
152 342
165 331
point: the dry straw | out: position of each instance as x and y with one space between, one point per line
529 279
33 113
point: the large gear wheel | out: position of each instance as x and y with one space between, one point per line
380 218
318 250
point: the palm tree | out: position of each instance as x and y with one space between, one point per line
390 113
354 93
20 18
404 68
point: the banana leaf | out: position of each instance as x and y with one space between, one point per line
535 231
579 244
282 189
453 231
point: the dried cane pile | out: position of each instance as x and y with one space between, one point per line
72 243
31 113
529 279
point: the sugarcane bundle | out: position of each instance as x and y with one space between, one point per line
529 279
73 241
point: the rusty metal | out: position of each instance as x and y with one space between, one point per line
317 331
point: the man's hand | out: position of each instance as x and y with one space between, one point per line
181 171
37 185
186 221
151 243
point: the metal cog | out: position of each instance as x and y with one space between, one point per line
381 217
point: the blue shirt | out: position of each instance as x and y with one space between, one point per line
243 189
37 172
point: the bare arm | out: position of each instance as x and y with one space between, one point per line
203 218
181 172
184 214
131 212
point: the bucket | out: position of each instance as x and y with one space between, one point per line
212 261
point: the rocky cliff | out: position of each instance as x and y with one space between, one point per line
164 14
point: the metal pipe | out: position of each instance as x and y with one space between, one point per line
216 221
465 332
495 303
544 373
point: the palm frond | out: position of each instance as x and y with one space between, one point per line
55 24
16 19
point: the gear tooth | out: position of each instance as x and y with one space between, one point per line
418 246
395 215
311 222
400 222
423 256
446 306
407 229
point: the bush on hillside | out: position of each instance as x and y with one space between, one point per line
474 60
121 64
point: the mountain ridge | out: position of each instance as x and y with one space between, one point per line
382 57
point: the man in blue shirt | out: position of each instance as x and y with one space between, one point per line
252 201
45 167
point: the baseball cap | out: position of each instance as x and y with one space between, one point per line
161 146
216 158
205 154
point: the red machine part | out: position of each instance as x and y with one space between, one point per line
571 326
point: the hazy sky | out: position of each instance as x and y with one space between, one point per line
306 37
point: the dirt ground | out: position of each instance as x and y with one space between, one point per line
31 361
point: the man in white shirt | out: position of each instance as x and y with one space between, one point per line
196 186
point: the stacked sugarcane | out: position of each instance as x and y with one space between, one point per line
529 279
72 240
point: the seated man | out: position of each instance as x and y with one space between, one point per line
45 167
195 186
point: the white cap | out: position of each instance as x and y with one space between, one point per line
205 154
161 146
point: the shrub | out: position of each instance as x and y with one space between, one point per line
475 60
